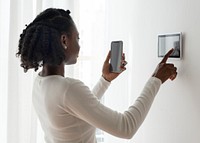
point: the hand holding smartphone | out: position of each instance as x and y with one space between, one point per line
116 56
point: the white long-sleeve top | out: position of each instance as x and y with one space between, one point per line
69 112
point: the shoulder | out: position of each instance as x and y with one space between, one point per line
57 82
77 93
74 82
72 86
76 86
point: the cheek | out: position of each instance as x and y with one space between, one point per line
77 46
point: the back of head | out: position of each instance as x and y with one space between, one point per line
40 41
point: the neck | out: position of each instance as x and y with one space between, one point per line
52 70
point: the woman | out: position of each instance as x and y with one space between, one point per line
68 111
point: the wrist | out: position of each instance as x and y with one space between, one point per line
155 76
106 78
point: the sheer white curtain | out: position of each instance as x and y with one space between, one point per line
12 100
18 122
4 26
20 117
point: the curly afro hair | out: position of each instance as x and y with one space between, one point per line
40 41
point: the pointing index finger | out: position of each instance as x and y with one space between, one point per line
164 60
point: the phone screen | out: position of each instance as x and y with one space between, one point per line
116 56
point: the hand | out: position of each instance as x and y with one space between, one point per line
109 76
165 71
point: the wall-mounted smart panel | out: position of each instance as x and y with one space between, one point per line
169 41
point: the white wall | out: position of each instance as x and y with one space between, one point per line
175 114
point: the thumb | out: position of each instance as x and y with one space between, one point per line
108 57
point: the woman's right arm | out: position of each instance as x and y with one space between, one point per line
80 102
84 105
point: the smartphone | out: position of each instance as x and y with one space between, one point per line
116 56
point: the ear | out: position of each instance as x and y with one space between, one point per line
63 40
